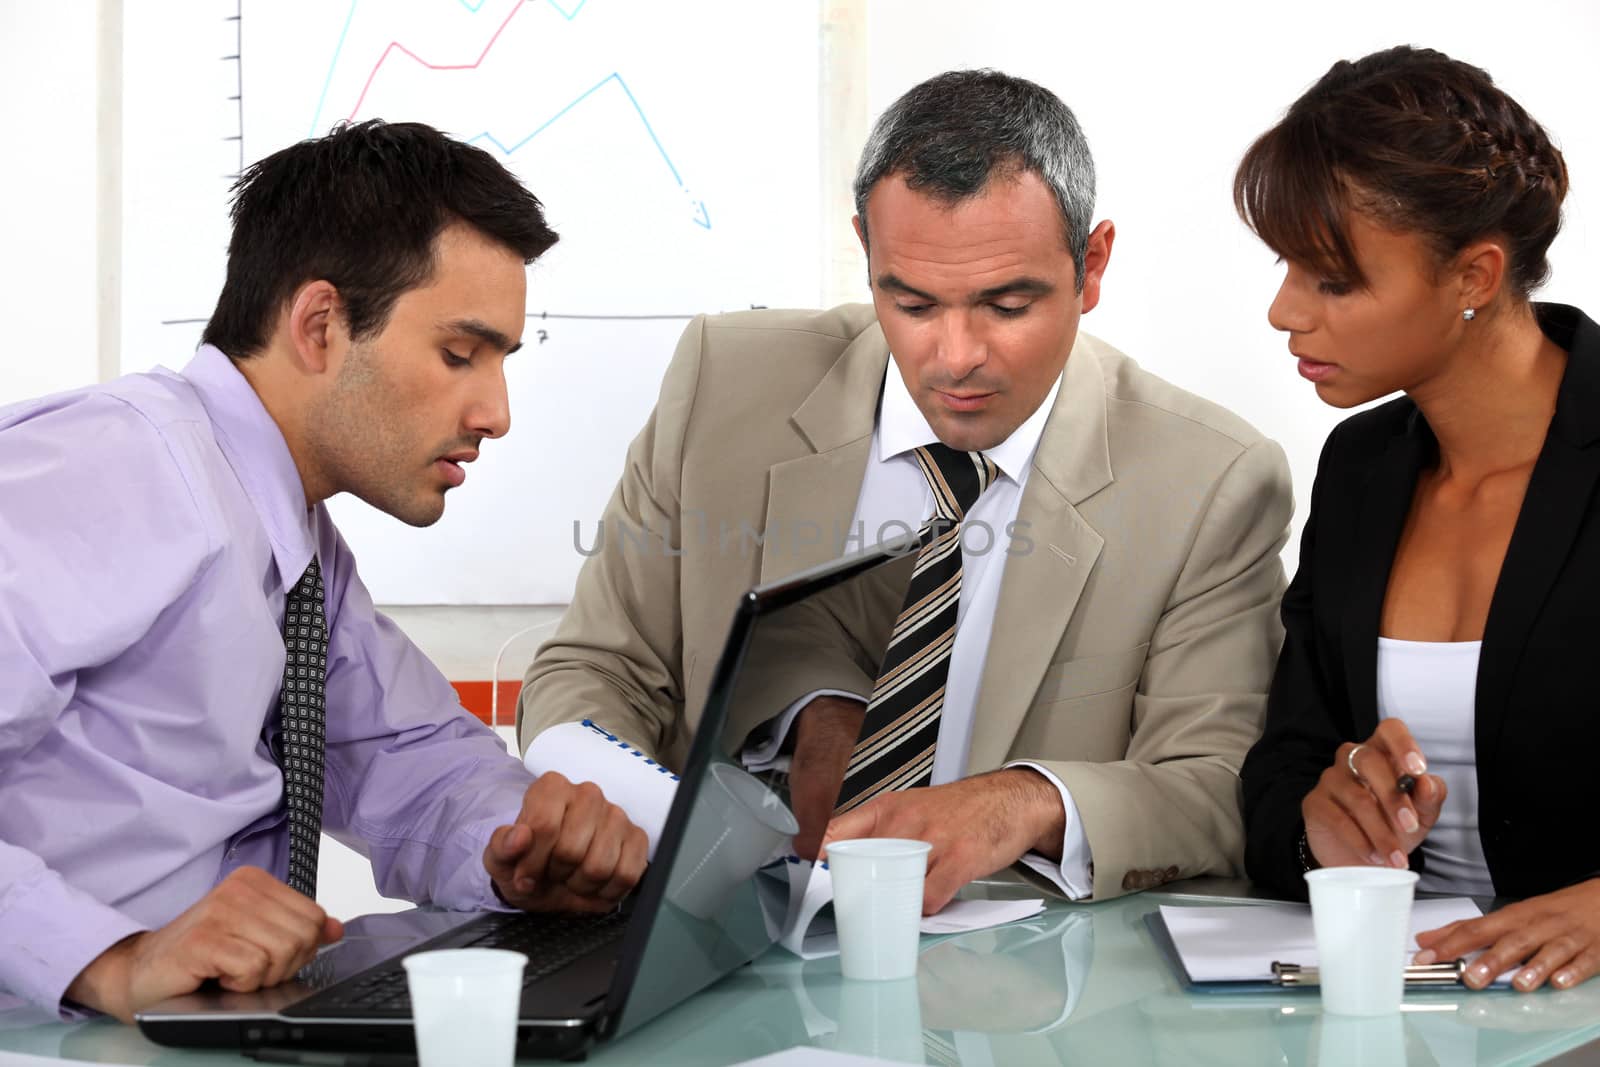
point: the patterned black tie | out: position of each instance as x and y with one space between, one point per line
901 728
300 722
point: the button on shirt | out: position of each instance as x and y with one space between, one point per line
150 530
895 498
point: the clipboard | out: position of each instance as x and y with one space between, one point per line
1284 976
1169 950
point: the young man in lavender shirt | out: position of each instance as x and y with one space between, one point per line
155 532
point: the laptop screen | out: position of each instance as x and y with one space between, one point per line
721 898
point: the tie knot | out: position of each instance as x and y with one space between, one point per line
956 478
310 584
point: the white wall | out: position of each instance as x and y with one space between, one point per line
1169 94
55 62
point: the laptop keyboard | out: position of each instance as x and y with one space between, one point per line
549 941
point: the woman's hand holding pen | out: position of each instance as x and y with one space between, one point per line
1361 814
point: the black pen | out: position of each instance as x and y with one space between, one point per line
1406 783
314 1058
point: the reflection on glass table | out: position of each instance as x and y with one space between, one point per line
1080 983
1086 984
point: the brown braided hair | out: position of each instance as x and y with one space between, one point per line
1421 143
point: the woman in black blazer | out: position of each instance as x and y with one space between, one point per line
1444 624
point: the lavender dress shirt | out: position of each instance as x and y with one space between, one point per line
150 530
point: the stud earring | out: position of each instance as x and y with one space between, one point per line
1469 314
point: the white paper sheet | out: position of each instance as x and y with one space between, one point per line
1238 943
811 889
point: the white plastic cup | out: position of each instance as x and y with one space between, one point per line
464 1005
1362 920
739 826
877 905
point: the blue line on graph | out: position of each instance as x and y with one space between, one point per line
475 8
568 15
316 119
702 217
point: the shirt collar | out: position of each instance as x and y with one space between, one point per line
254 447
902 427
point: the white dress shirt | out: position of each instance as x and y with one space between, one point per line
895 498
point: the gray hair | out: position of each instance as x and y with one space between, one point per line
950 135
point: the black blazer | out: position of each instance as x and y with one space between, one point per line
1538 691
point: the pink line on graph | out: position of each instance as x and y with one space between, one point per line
397 46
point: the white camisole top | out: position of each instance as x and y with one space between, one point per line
1432 687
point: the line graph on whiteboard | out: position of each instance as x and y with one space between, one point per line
510 144
673 143
677 161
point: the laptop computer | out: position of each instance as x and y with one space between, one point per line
702 910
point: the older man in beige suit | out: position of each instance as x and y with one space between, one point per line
1112 610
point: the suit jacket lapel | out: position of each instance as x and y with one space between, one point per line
1045 576
1557 502
1381 514
812 499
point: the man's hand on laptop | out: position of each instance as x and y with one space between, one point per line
570 849
250 932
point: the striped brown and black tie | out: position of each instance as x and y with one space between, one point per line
901 728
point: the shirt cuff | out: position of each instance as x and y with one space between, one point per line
769 754
455 877
473 889
52 931
1071 875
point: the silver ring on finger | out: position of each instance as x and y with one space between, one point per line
1350 761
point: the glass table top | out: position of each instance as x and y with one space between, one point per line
1079 983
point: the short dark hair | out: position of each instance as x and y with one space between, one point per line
954 132
1423 144
360 208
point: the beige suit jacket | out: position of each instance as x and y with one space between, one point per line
1132 646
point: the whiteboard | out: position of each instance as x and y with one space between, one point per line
675 147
